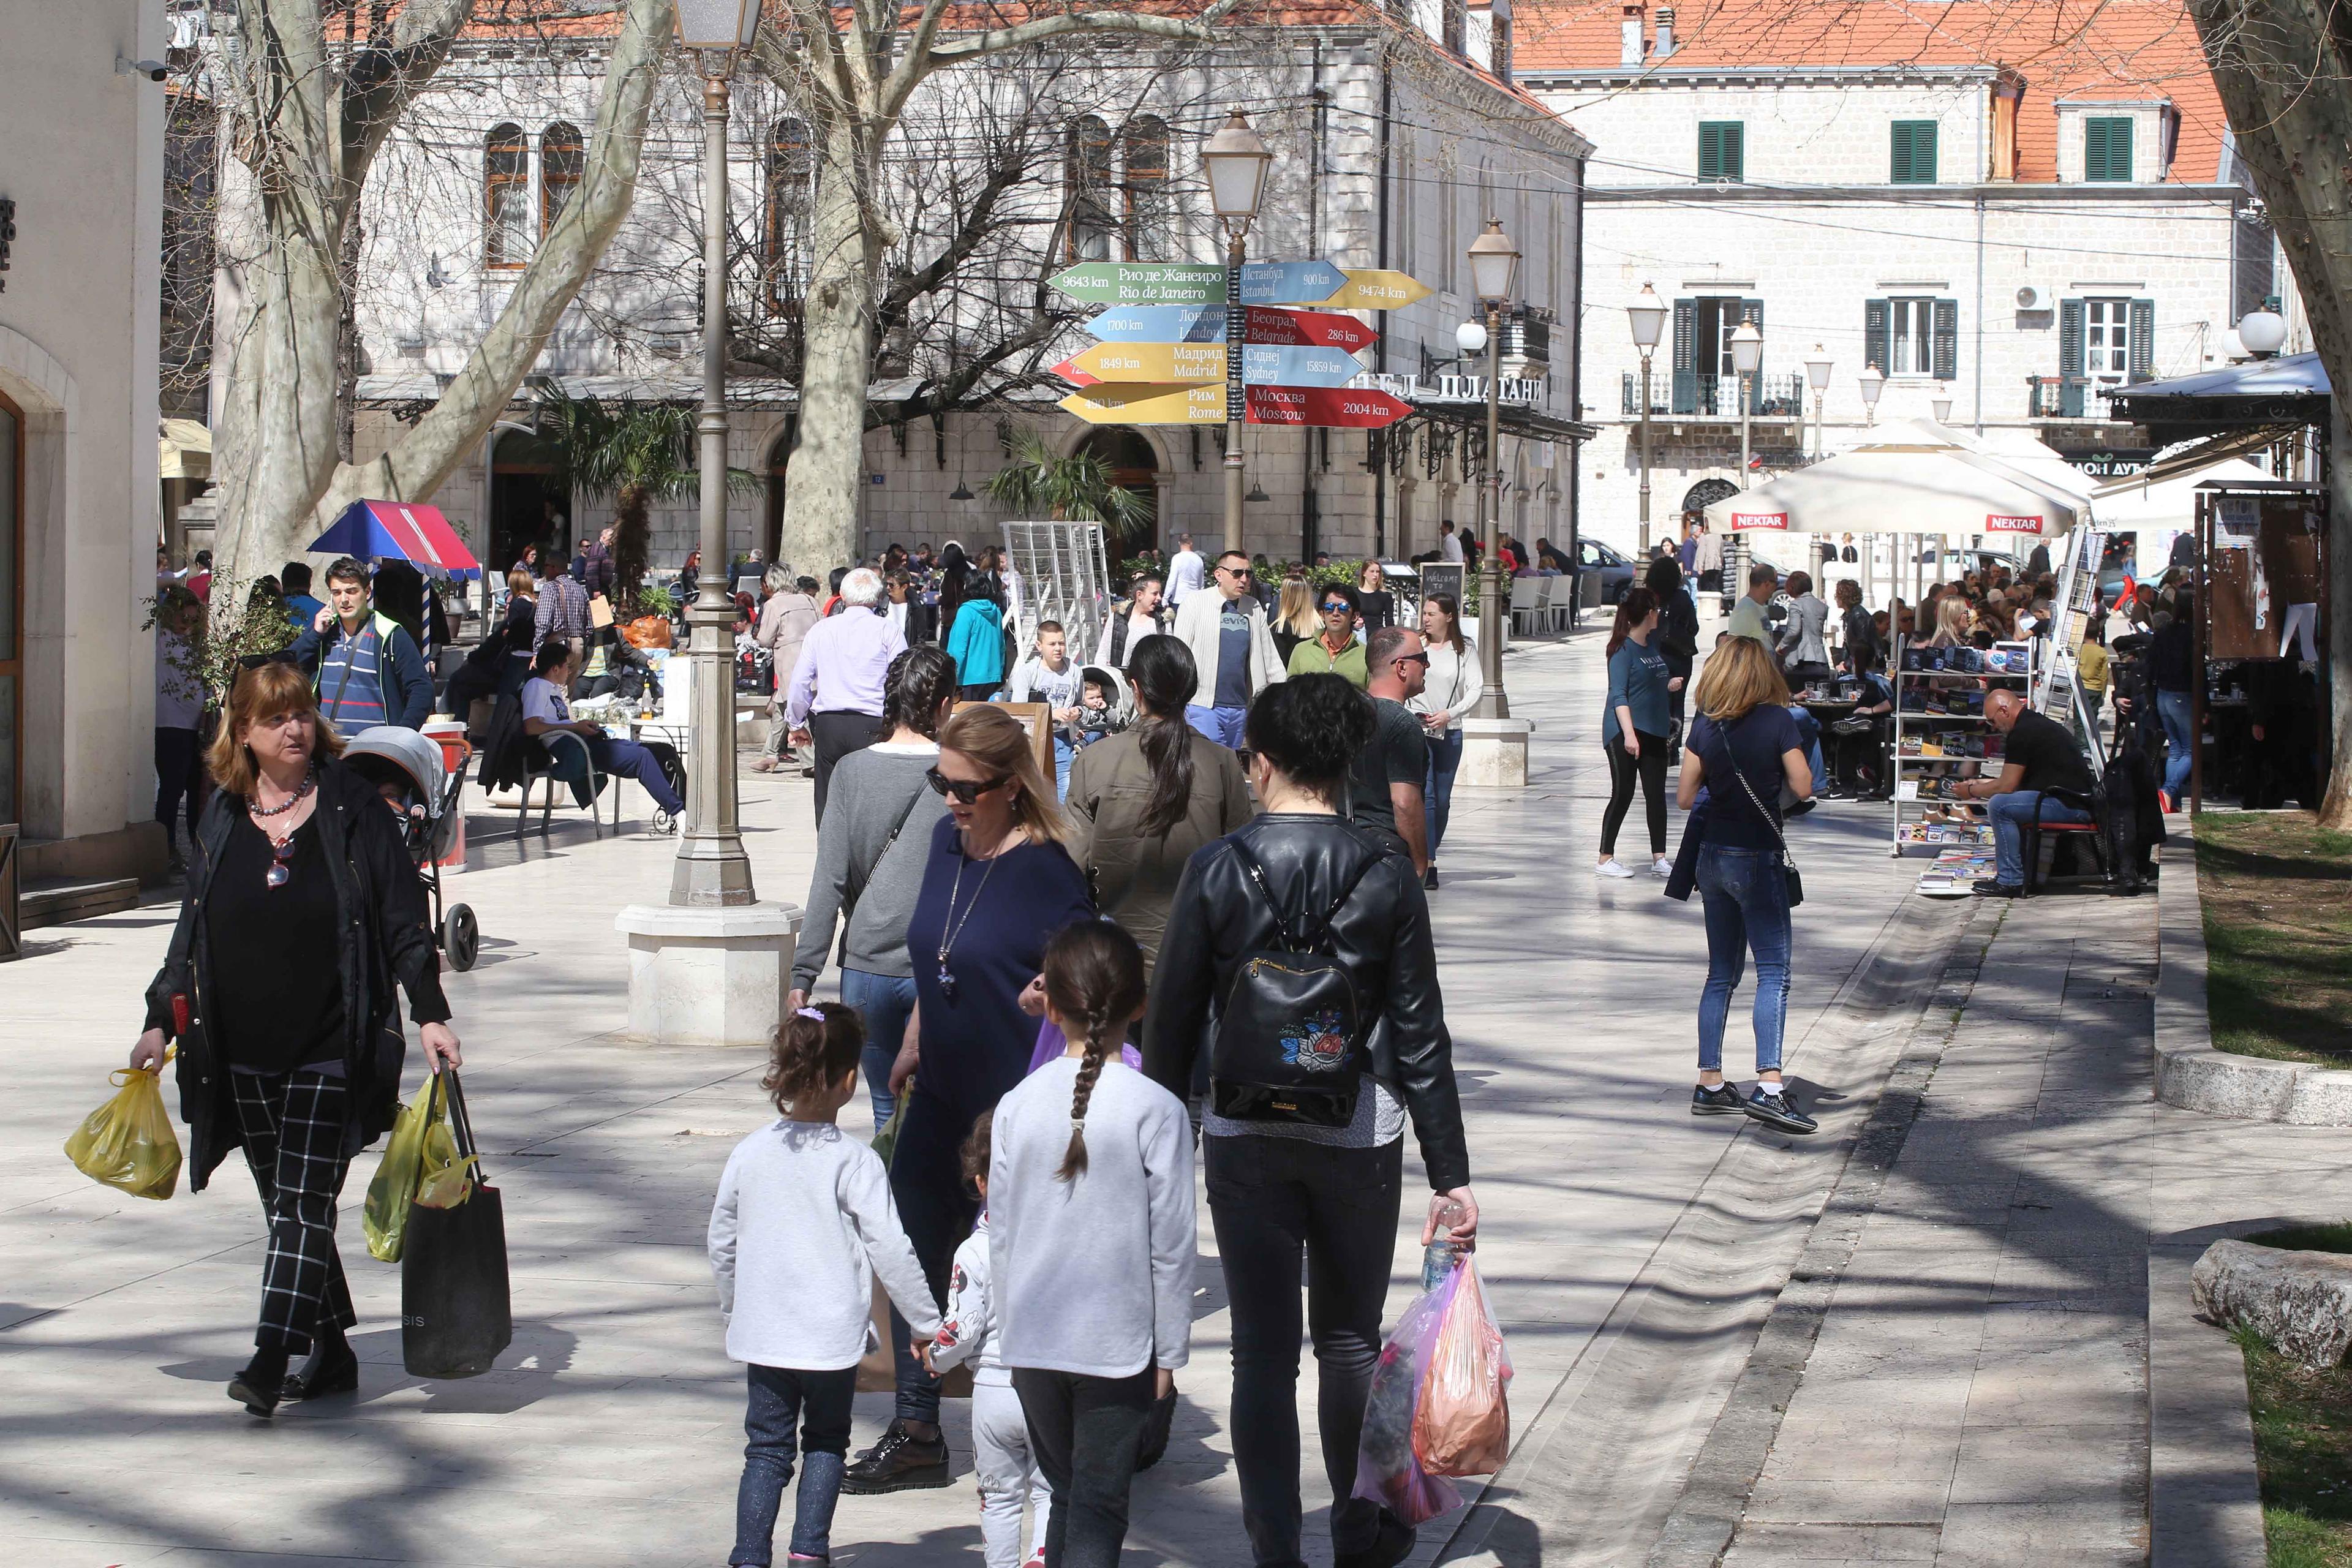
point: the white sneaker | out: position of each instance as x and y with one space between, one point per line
1662 868
1611 868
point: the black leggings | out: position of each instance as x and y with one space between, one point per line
1623 771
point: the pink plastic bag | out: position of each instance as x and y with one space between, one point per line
1387 1472
1461 1425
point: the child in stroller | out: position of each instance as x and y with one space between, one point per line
409 773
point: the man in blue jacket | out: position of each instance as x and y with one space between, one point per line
364 666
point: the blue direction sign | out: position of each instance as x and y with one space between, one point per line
1264 366
1159 324
1289 282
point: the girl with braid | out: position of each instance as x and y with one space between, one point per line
1091 1240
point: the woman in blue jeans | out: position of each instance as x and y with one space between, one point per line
1743 747
1446 696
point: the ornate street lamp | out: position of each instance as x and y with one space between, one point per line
1236 158
2263 331
1647 317
1493 264
1941 407
1747 353
1818 366
1874 381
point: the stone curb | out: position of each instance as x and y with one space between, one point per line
2204 1503
2190 1073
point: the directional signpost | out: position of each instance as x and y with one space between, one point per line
1263 283
1290 282
1206 324
1262 365
1373 290
1123 403
1325 405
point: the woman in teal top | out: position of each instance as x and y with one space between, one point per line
976 642
1635 729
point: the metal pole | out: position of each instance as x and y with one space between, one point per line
1492 703
1645 454
1236 404
711 867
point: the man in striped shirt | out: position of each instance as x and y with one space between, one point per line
364 666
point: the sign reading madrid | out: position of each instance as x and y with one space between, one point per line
1261 363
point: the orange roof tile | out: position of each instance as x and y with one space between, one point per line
2063 49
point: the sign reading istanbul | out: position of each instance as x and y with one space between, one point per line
1263 283
1206 324
1261 363
1144 403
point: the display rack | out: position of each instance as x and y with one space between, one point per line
1939 723
2056 690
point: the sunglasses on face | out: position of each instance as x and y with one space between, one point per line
1411 658
965 790
1336 608
1232 571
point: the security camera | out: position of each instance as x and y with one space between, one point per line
153 71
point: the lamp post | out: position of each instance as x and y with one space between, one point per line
1874 381
1647 316
1818 366
711 867
1941 407
1236 158
1747 353
1493 264
2263 331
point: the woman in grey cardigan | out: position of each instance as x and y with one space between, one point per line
870 853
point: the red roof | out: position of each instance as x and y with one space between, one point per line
2062 49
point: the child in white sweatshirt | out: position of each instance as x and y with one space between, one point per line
1091 1243
803 1223
1000 1437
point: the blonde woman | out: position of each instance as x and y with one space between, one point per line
1951 622
1373 599
1295 618
1744 747
998 885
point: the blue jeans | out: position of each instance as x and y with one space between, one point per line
1444 761
818 1404
2010 814
884 1002
619 759
1223 725
1063 754
2172 711
1745 894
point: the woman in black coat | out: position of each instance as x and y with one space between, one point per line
302 910
1677 633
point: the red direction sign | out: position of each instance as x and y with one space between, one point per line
1334 406
1308 329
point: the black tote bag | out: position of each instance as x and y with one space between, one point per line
455 1314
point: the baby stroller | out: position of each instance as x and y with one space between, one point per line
407 770
1118 714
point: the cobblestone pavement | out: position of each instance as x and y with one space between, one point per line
611 1432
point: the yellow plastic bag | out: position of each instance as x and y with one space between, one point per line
420 1142
128 1142
447 1186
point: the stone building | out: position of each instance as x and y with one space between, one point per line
2012 208
1393 135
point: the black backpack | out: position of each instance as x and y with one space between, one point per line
1290 1039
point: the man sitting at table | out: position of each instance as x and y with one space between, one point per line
545 710
2040 756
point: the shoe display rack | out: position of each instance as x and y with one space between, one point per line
1939 725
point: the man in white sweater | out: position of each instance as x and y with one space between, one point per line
1232 649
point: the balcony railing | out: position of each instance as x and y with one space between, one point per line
1714 398
1526 338
2069 397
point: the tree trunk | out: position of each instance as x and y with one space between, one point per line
2281 67
827 470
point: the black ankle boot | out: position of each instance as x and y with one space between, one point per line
333 1368
262 1382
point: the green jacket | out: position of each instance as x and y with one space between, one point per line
1309 657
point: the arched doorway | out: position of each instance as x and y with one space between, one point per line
1134 466
1706 494
521 467
780 456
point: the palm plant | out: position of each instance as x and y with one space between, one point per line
1079 488
637 453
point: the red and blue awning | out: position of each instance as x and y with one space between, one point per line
373 530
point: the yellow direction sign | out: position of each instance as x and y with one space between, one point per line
1128 402
1163 363
1375 289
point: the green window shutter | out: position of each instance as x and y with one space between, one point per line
1721 150
1686 393
1874 333
1946 346
1912 153
2142 352
2069 337
2107 149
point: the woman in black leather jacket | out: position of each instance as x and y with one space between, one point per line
1278 1190
1677 633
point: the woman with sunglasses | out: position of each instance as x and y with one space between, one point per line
998 885
302 907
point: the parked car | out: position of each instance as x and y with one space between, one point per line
1959 562
1615 571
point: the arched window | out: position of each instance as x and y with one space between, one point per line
1088 171
1147 188
506 197
561 160
790 168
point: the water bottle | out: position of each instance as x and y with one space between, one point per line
1438 1259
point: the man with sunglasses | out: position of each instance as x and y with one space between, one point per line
1336 651
1385 785
1232 646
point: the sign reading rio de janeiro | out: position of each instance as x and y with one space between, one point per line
1263 283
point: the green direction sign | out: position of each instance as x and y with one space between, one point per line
1144 283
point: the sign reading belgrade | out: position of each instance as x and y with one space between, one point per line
1263 283
1206 324
1206 361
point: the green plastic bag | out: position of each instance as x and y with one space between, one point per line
886 1142
128 1142
420 1145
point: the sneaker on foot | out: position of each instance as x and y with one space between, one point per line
900 1462
1429 877
1662 868
1774 1111
1989 889
1611 868
1721 1100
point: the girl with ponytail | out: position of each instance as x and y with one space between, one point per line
1091 1239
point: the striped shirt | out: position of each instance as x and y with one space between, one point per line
350 681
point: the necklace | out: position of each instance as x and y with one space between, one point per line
952 928
253 802
281 850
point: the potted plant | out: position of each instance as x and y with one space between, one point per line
1079 488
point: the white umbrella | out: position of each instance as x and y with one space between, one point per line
2136 505
1911 488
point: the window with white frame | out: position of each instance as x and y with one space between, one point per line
2106 337
1910 337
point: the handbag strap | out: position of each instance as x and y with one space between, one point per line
461 1128
1772 818
849 904
1282 927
